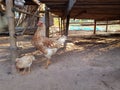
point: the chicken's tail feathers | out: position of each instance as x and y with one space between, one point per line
62 39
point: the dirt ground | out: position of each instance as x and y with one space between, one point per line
89 63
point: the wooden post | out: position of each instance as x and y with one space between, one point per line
67 25
59 25
47 21
64 28
94 27
11 27
107 26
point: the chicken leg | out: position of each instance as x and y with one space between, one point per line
47 63
24 71
29 69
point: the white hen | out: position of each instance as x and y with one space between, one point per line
24 63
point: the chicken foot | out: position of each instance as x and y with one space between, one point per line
24 71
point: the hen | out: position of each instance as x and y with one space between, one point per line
46 45
24 63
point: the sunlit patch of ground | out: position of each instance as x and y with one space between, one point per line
4 42
72 46
101 43
77 43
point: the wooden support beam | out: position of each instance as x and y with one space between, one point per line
88 24
47 21
106 26
67 14
25 12
67 25
94 27
69 7
64 27
31 19
11 27
61 26
59 21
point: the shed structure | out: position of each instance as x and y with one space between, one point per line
85 9
99 10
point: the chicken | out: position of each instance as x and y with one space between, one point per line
46 45
24 63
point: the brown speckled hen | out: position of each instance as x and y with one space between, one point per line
46 45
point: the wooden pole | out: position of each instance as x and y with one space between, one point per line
59 25
94 27
107 26
67 25
64 28
11 27
47 21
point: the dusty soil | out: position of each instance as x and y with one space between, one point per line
88 63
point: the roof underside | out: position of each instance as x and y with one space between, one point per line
86 9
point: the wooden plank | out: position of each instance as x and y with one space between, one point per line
79 13
25 12
96 6
103 12
96 16
82 1
95 13
84 6
101 24
98 1
53 0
